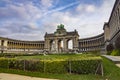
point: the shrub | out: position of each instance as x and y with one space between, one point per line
116 52
109 52
32 65
76 64
84 66
56 66
110 48
16 64
4 63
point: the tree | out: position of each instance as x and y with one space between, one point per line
110 47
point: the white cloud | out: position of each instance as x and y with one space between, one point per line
61 8
89 22
46 3
85 8
87 19
90 8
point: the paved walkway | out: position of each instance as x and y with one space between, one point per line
115 59
5 76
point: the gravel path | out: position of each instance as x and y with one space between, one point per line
5 76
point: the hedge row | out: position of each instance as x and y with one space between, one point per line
12 55
4 63
53 66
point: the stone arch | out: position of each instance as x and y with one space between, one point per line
52 45
69 44
61 36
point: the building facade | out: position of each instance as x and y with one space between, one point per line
112 28
18 46
58 41
95 43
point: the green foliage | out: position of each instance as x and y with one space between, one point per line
115 52
93 52
12 55
111 71
4 63
55 66
109 52
109 47
53 76
84 66
16 64
59 64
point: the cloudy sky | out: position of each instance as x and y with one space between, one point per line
30 19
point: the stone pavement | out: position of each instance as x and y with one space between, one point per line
115 59
6 76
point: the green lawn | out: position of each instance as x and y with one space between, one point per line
54 76
111 72
55 57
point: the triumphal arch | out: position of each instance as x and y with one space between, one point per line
58 41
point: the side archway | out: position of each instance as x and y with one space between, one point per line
69 45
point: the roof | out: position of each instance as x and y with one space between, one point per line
115 4
20 40
72 33
94 37
68 33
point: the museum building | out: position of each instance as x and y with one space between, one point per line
58 41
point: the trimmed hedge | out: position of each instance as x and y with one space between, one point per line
79 66
4 63
55 66
12 55
84 66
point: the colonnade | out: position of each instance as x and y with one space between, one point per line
91 44
16 46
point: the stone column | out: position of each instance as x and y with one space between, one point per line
64 45
75 43
56 45
0 42
47 45
0 47
5 43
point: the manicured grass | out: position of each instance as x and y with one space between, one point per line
111 72
62 63
61 56
53 76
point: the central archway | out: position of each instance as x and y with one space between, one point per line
61 40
